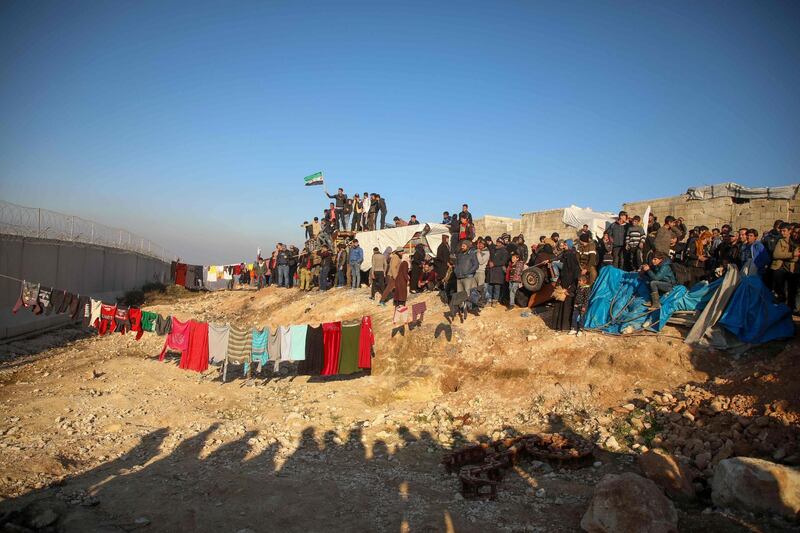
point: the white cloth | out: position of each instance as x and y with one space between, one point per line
596 220
211 275
286 343
94 314
398 238
734 190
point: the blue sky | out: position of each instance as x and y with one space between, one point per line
193 123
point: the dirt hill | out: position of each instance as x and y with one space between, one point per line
98 435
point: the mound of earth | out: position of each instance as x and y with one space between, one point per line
97 434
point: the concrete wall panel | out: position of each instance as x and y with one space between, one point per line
89 270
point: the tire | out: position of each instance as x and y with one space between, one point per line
533 278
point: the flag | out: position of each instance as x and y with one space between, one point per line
314 179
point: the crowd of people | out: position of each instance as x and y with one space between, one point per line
472 272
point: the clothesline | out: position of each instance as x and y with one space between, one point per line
328 349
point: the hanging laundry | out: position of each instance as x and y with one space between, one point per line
28 296
274 345
135 317
44 300
107 315
56 301
298 348
240 342
332 337
218 342
211 274
259 352
314 361
418 311
163 325
348 350
178 338
66 305
286 343
85 311
195 357
122 322
401 315
180 274
365 343
149 321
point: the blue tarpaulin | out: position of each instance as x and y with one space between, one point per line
617 305
753 316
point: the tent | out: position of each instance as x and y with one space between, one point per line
395 238
578 216
731 312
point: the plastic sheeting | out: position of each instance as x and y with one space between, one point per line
617 302
578 216
734 190
395 238
753 316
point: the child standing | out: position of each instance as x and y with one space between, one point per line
581 302
514 278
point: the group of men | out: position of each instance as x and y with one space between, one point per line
669 251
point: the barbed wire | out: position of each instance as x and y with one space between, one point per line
45 224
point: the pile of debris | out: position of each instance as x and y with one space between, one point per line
495 457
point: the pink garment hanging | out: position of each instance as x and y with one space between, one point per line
365 343
196 356
332 340
178 338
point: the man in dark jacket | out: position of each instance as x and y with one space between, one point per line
326 266
282 261
664 235
341 202
382 209
660 277
465 268
465 213
442 255
618 233
496 272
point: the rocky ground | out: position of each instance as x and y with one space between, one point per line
97 435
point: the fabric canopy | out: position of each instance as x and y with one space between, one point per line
734 190
395 238
753 316
578 216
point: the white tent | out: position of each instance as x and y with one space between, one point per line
596 220
395 238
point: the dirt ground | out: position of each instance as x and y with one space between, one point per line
97 435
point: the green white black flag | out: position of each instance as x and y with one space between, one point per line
314 179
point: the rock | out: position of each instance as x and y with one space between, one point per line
629 407
612 444
540 493
666 472
702 460
631 504
43 519
757 485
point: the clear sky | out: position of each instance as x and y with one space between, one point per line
193 123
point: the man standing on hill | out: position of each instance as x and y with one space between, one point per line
383 210
341 202
282 262
356 258
465 213
618 232
466 267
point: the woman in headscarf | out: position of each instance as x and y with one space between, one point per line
561 319
401 284
416 266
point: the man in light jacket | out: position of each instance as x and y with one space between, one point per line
356 258
465 268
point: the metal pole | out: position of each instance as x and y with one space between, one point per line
92 240
72 228
39 228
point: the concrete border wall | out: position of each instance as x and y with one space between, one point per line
96 271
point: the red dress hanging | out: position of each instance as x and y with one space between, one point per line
365 342
332 339
180 274
196 356
178 338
